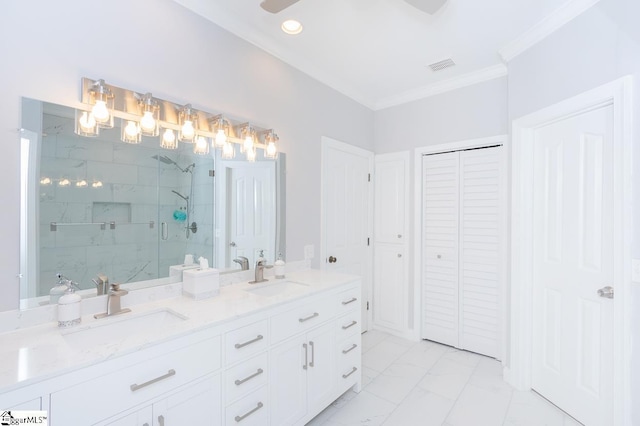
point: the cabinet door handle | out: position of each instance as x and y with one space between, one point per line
134 387
306 353
248 342
315 314
346 351
244 416
353 299
313 354
160 420
353 370
246 379
354 322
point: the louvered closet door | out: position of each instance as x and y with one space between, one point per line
461 250
479 277
440 247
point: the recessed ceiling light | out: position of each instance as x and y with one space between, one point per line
291 26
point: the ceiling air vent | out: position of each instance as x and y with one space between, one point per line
439 66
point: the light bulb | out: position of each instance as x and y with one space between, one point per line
97 184
271 150
101 112
64 182
147 122
248 143
251 154
45 181
81 183
202 146
221 138
131 130
87 121
188 131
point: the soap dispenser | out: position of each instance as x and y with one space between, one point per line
58 291
69 307
278 267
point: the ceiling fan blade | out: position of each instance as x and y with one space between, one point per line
275 6
427 6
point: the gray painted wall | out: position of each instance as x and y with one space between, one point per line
47 47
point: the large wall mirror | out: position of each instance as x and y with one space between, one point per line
132 211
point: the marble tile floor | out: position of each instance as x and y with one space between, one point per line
424 383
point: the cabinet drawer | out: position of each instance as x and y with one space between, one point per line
349 300
347 325
252 410
245 377
245 342
118 391
300 319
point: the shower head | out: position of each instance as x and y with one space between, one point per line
167 160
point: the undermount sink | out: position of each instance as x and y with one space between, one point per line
276 288
118 327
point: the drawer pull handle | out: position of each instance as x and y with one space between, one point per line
244 416
242 345
134 387
315 314
306 356
313 355
246 379
353 299
346 351
344 376
344 327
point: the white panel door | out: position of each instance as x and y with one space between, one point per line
440 198
480 251
251 200
322 376
288 381
346 210
389 294
572 363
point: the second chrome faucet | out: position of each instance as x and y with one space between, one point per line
259 274
113 302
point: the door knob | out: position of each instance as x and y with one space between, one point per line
606 292
232 244
332 259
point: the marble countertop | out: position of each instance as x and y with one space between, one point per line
33 354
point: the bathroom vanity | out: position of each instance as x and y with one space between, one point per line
273 353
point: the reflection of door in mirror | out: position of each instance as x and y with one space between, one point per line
250 211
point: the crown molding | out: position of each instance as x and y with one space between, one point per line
469 79
558 18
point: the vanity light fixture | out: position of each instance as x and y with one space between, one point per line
291 27
169 140
220 126
150 110
270 139
188 122
130 132
201 146
86 124
102 99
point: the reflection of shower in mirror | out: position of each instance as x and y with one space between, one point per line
188 199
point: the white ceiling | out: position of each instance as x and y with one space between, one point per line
378 51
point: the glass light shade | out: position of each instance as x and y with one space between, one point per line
169 140
201 146
86 124
45 180
130 132
188 122
64 182
228 151
221 138
81 183
97 184
150 110
248 136
251 154
271 151
102 99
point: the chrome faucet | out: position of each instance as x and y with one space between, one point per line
113 302
243 262
259 277
102 284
